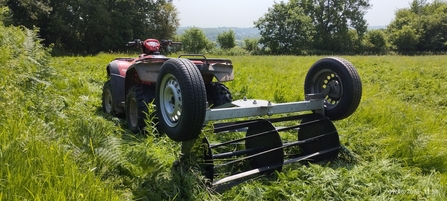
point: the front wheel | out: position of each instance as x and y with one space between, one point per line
107 99
180 99
340 82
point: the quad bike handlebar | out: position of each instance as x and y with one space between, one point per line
136 42
169 42
152 46
163 43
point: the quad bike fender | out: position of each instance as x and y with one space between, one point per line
118 93
143 72
118 67
115 73
222 72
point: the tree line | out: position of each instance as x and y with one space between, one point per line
339 27
296 27
86 26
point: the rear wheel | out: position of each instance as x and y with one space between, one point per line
218 94
340 81
180 100
137 100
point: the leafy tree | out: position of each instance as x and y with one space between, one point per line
227 39
432 27
332 20
84 26
163 22
353 43
321 25
405 40
375 42
251 44
285 29
195 41
424 26
397 34
27 12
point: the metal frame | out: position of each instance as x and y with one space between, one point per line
236 155
251 108
266 168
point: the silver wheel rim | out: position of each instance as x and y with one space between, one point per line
327 78
133 112
170 100
108 101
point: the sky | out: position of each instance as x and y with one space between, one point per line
242 13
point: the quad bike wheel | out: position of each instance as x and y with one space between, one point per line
180 99
340 80
137 100
218 94
107 99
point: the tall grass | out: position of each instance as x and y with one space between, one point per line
56 144
34 164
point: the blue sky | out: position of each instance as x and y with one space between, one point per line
242 13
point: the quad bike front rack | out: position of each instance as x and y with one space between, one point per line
262 149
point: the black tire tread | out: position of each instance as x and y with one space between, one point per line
194 106
218 94
356 83
353 83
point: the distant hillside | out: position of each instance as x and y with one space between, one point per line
376 27
240 33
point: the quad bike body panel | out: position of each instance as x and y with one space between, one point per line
126 73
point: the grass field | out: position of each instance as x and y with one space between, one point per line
56 144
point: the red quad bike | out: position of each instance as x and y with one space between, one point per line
181 88
188 93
